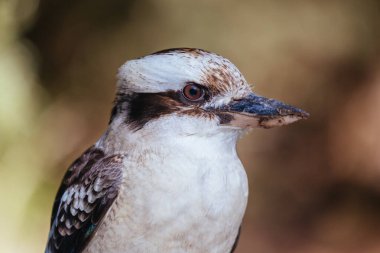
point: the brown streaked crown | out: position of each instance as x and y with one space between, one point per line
153 86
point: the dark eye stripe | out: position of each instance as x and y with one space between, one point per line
140 108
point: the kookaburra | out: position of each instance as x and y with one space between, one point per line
165 176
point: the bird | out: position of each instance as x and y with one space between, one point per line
165 175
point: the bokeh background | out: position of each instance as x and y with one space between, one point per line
314 185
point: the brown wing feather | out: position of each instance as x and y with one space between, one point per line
88 189
236 241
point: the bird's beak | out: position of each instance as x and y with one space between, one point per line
256 111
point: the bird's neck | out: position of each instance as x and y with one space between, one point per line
120 138
175 181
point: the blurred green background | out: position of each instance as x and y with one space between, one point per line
315 185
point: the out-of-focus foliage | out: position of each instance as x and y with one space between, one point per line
314 185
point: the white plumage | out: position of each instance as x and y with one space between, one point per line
165 176
183 191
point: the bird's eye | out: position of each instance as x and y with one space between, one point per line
193 92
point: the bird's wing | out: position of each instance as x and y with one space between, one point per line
236 241
88 190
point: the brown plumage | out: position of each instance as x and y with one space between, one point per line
88 189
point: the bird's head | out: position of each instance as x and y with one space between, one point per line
193 91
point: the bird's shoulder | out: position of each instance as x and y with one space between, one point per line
88 189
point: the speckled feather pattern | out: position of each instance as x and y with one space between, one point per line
88 189
171 201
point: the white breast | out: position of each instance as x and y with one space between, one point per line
186 195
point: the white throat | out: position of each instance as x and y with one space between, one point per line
189 189
171 132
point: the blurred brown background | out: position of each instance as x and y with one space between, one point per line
315 185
